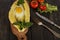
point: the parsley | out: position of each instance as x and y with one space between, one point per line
20 2
23 24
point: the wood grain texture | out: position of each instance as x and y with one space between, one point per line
35 32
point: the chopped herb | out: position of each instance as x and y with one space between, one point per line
23 24
20 2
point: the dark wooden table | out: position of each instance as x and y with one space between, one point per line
35 32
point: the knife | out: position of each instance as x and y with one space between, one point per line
47 20
38 22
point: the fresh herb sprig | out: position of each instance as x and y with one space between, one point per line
20 2
23 24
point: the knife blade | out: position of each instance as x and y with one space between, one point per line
47 20
38 22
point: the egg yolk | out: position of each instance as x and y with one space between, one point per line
18 9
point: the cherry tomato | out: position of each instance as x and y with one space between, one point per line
41 1
43 7
34 4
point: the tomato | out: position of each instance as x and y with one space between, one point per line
41 1
43 7
34 4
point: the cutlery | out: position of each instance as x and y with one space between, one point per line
47 20
37 21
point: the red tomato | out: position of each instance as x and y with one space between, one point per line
43 7
41 1
34 4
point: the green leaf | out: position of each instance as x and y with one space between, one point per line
50 8
23 24
28 24
20 2
17 23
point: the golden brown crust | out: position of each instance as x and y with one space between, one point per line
19 34
14 30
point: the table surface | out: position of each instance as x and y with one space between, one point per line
35 32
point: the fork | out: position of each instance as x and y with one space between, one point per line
38 22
